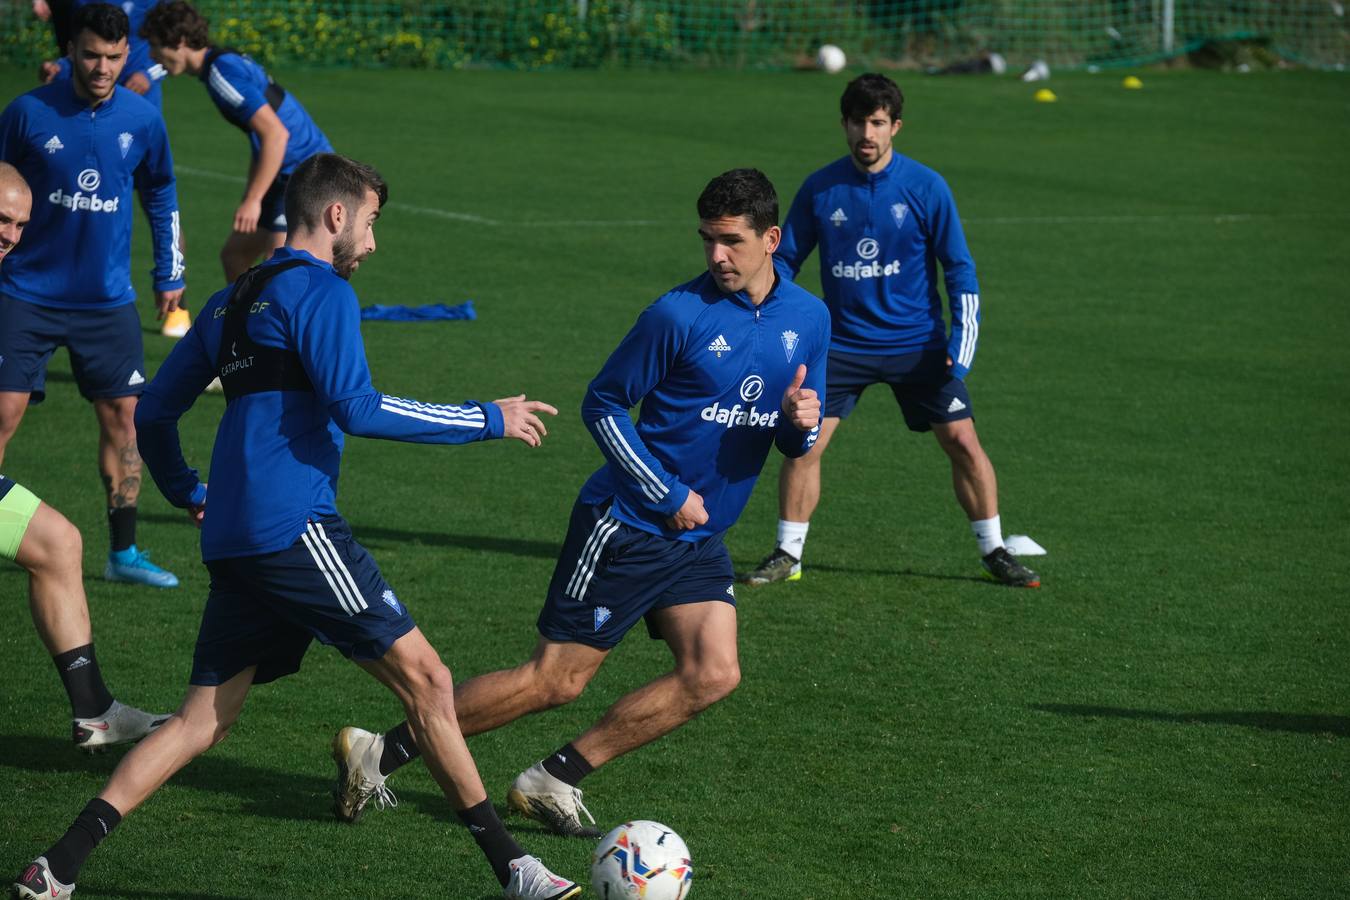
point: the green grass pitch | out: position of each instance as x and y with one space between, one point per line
1161 385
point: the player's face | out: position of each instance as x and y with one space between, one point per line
96 65
357 240
869 138
15 204
173 59
738 258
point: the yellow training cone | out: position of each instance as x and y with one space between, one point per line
1131 83
1045 95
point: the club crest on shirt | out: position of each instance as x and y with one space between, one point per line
899 211
124 143
790 341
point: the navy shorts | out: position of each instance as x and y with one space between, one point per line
923 386
105 348
273 217
264 610
610 575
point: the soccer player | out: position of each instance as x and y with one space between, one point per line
83 145
883 222
286 342
280 132
723 367
141 74
42 541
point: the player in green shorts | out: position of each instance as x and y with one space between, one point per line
44 542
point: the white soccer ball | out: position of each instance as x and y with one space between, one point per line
642 859
831 59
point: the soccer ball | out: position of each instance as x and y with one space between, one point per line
642 859
830 58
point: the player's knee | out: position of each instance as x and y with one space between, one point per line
712 682
561 690
56 545
431 687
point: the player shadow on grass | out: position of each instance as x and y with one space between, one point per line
268 793
1299 723
898 573
97 887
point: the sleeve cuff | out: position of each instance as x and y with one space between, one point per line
495 424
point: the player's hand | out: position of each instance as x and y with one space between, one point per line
48 70
42 10
138 83
247 215
166 302
691 514
520 419
801 405
197 513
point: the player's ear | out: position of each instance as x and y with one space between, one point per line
772 237
335 217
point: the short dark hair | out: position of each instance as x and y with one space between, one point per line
103 19
170 24
741 192
869 92
327 178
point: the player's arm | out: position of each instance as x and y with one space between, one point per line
169 395
637 365
958 271
272 140
799 235
326 325
804 401
158 192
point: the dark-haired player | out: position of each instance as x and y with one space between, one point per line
285 341
883 223
723 367
280 132
84 145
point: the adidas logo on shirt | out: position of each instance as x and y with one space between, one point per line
136 378
838 217
53 145
956 405
720 346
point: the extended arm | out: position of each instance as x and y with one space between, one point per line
170 394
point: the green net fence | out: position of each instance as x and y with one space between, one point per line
761 34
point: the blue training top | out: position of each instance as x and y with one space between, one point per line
240 87
710 371
277 452
881 235
82 164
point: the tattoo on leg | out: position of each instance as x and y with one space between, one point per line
129 491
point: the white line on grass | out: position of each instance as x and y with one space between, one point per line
1161 218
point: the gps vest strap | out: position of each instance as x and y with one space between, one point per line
275 94
245 366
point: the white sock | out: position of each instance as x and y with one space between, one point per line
989 534
792 537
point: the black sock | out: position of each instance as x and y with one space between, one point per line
568 765
400 748
122 527
92 825
492 837
88 694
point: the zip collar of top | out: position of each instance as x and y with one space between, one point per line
741 298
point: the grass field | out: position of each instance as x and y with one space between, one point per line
1161 385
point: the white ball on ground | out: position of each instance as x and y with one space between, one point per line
831 59
642 859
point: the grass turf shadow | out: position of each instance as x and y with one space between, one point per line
268 793
1298 723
